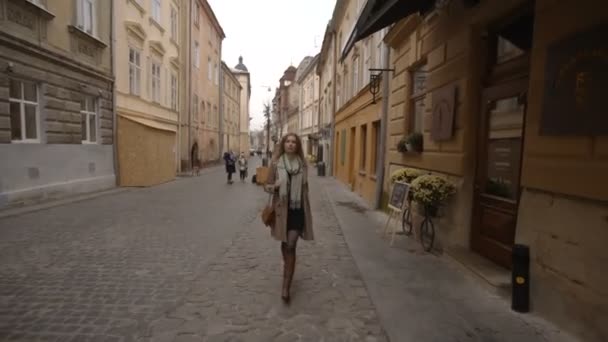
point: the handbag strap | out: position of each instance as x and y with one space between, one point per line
269 199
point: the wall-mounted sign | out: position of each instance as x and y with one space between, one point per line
442 125
576 85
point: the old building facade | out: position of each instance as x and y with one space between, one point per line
148 69
56 99
499 93
231 108
308 84
242 74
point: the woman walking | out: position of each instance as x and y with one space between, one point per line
288 182
242 166
230 169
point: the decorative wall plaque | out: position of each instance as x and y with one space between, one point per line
576 85
444 105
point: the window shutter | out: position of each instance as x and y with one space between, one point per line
149 78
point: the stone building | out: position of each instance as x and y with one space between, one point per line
231 109
502 94
346 95
281 103
244 78
56 99
149 80
308 82
326 72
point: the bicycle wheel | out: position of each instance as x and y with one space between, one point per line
406 222
427 234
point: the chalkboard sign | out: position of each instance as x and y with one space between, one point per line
398 196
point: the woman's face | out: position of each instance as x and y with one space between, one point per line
290 144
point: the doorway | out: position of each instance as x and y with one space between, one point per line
500 138
351 157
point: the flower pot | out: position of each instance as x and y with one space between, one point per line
431 210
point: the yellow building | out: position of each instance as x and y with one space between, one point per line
356 118
242 74
56 100
147 89
501 93
231 105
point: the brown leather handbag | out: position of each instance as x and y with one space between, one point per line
268 214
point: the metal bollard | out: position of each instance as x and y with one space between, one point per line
520 279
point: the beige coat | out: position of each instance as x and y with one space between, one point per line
279 228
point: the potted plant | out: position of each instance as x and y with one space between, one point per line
406 175
414 142
431 191
402 145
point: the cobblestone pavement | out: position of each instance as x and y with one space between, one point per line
184 261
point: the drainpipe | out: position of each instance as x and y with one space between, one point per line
189 83
221 113
113 89
381 150
330 163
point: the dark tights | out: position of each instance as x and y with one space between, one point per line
288 249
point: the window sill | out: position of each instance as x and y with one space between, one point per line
158 25
41 10
78 31
362 173
25 141
84 142
373 177
139 7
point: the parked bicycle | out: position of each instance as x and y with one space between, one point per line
427 227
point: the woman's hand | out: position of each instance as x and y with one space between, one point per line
271 188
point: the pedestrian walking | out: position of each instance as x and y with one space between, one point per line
288 184
230 162
243 166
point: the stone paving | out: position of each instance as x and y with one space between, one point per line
184 261
238 297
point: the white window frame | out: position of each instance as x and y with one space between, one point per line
217 75
418 95
366 62
135 72
87 23
355 83
197 55
378 59
155 77
174 92
157 10
174 24
22 103
87 113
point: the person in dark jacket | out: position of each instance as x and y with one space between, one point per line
230 162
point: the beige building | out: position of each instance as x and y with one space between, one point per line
148 69
231 110
326 71
242 74
56 99
308 85
501 94
201 143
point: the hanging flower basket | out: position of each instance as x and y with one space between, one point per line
414 142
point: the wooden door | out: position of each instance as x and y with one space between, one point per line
497 181
351 157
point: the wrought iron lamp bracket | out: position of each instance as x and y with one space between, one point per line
374 81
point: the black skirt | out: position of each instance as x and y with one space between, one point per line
295 220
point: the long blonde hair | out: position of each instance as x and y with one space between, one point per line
280 149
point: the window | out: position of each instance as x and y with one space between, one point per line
174 24
195 112
174 92
376 145
208 113
196 14
217 74
197 55
156 8
379 54
155 82
134 71
355 76
88 119
366 62
86 16
418 94
209 69
338 92
363 147
23 100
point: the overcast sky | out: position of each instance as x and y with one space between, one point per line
270 35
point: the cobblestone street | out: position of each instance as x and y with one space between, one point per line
191 261
187 260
